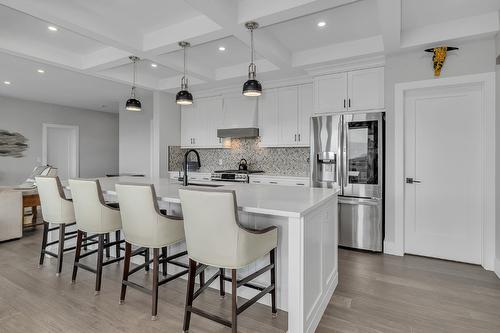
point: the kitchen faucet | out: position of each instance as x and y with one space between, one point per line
185 182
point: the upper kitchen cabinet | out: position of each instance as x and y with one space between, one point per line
284 116
330 93
366 89
200 121
358 90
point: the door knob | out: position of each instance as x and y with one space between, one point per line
412 181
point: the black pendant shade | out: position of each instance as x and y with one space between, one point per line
184 97
252 87
133 105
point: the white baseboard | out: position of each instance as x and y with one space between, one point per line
497 267
393 249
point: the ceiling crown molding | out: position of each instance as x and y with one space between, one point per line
345 66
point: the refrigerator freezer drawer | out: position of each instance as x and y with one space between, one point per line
360 223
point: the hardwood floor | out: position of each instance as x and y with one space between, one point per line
376 293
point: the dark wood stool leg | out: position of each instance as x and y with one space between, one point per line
146 260
108 250
100 255
85 243
202 279
234 297
164 253
44 242
156 268
60 253
34 215
222 288
79 236
126 268
118 237
189 295
272 260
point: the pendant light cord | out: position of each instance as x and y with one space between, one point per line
252 69
133 80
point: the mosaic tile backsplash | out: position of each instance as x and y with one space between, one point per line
286 161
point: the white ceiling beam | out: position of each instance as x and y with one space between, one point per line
389 13
270 12
105 58
70 18
165 39
339 51
475 26
225 13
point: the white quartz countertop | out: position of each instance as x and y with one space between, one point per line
287 201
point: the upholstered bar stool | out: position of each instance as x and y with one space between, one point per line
215 237
94 217
146 227
57 210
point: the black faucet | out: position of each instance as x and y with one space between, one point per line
185 182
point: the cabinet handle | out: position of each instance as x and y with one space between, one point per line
295 139
344 103
220 140
256 181
273 182
299 137
300 184
349 102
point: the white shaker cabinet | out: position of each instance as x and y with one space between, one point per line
200 121
284 116
330 93
349 91
268 117
366 89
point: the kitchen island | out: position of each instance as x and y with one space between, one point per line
307 270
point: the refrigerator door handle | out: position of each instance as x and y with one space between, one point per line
345 179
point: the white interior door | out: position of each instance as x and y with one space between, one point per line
61 149
443 152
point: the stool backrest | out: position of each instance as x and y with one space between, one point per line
211 225
92 213
55 207
140 213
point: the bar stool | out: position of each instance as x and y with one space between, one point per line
94 217
215 237
58 210
145 226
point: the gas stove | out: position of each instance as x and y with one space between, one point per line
240 176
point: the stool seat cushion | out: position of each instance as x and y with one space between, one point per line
55 207
92 213
214 235
143 223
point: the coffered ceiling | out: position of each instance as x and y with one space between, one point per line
94 38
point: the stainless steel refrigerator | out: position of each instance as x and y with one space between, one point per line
348 150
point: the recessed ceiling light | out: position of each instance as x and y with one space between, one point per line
321 24
6 82
52 28
41 71
222 48
154 65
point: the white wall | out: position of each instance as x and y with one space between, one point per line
98 137
473 57
146 135
167 130
135 138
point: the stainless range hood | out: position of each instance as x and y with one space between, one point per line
247 132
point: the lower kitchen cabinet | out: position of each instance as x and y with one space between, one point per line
279 180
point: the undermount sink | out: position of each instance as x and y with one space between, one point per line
205 185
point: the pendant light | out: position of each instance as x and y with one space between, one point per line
252 87
184 97
133 104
